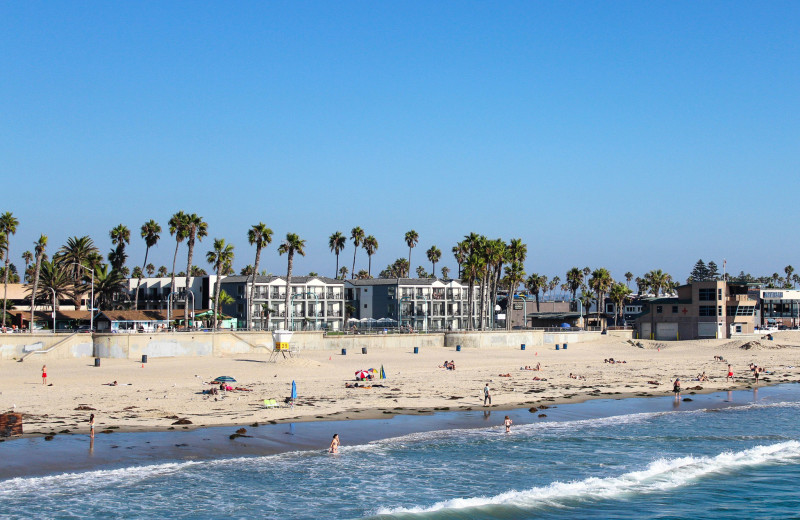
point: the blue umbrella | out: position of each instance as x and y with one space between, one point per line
565 325
294 391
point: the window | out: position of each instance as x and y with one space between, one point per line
659 309
674 309
365 305
719 310
240 308
719 294
707 310
706 295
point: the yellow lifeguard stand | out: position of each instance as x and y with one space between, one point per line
281 340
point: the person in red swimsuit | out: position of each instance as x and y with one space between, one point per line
730 374
44 374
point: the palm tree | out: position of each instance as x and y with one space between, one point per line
554 284
535 283
8 227
27 256
434 254
628 278
196 229
177 228
574 280
472 270
150 232
586 300
343 272
258 235
370 246
53 277
514 275
619 294
39 246
78 252
137 272
600 283
150 269
293 244
421 272
162 271
356 235
412 237
336 242
788 270
460 254
657 280
445 273
219 257
120 236
107 284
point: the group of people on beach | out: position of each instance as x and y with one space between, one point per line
449 365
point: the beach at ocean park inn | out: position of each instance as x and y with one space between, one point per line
174 393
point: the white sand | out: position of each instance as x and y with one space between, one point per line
150 397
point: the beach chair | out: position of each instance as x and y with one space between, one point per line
270 403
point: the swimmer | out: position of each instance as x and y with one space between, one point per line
507 423
334 444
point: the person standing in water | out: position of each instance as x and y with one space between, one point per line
730 374
676 387
334 444
486 395
507 423
44 374
91 426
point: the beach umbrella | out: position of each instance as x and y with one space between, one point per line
224 379
294 391
565 325
362 374
383 373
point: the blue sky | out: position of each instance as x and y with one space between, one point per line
630 135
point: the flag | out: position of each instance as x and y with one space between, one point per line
383 373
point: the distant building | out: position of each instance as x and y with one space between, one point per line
154 292
780 307
712 309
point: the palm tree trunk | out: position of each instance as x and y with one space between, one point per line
139 282
336 273
188 276
369 266
253 289
5 290
353 272
35 288
469 305
482 307
288 288
172 280
217 284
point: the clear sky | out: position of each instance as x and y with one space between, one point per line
629 135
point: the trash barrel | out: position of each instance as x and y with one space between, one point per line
458 348
416 350
522 347
144 358
97 361
565 346
344 351
363 350
558 347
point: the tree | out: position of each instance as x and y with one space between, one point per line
27 256
619 294
628 278
600 283
107 284
421 272
535 283
8 227
196 229
137 273
514 275
197 271
554 284
586 300
337 243
657 280
150 268
151 233
574 280
699 272
789 280
362 275
472 269
370 246
445 273
247 270
120 237
78 253
713 271
162 272
178 229
357 236
412 237
434 254
53 277
397 269
13 276
258 235
219 257
460 254
343 273
293 244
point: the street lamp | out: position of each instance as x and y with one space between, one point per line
54 308
91 311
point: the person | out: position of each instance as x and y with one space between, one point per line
44 374
730 374
91 426
452 364
486 395
756 371
507 423
676 387
334 444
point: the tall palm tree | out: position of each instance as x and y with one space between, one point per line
434 254
219 257
357 236
343 272
460 254
162 271
27 256
8 227
177 228
107 284
53 277
788 270
293 244
514 275
657 280
80 251
445 272
39 247
628 278
196 229
619 294
370 246
120 237
472 271
586 300
258 235
412 237
336 242
600 283
150 232
574 280
535 283
150 269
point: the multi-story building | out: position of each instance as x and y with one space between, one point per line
780 307
154 293
714 309
420 303
316 302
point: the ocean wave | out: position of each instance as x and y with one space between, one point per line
660 475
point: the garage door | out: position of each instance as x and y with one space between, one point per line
667 331
644 332
707 330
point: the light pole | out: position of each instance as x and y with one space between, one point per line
91 311
524 310
54 308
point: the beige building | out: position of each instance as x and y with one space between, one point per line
701 310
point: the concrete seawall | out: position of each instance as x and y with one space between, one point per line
133 346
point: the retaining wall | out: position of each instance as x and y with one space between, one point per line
16 346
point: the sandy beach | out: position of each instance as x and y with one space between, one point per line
157 395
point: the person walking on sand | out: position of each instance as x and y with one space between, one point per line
730 374
334 444
676 387
486 395
91 426
44 374
507 423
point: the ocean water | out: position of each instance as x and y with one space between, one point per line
726 459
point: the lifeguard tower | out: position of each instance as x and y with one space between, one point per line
281 344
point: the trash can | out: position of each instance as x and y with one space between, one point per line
344 351
416 350
458 348
522 347
565 346
144 358
557 346
97 361
363 350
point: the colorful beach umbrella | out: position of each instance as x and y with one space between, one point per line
362 374
224 379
